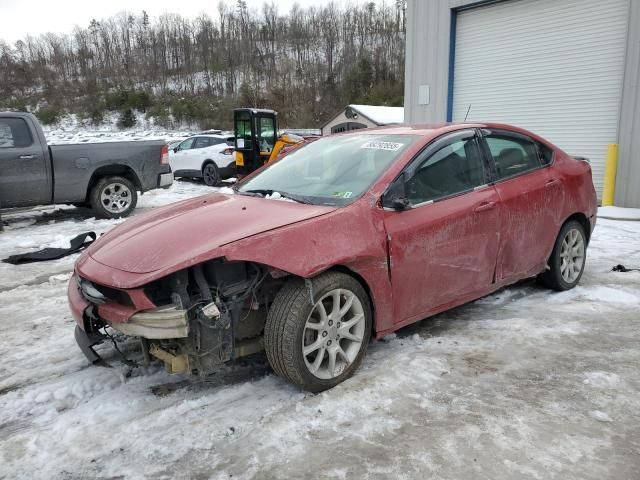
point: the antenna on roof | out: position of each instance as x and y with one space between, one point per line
468 110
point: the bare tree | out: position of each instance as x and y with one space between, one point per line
306 63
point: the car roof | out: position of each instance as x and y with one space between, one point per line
210 135
431 129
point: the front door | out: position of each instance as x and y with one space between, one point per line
24 176
443 247
179 159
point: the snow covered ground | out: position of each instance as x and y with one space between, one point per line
618 213
72 130
523 384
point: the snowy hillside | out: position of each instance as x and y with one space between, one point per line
71 130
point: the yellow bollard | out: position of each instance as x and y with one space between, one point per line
610 169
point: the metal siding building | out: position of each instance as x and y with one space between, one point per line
566 69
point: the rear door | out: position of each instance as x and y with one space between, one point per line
24 177
529 201
443 248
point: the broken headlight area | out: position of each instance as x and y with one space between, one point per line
204 316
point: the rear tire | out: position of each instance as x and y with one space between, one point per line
568 258
210 174
318 344
113 197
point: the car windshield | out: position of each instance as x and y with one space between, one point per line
330 171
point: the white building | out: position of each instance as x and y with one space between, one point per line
568 70
363 116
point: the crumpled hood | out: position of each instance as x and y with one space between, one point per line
176 233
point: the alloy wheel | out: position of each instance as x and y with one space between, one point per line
572 255
210 175
115 197
333 333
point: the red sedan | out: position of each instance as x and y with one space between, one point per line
350 237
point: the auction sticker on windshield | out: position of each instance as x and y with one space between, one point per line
383 145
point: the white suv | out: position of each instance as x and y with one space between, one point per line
209 157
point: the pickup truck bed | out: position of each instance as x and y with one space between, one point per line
76 164
106 176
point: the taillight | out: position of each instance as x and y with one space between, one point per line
164 155
227 151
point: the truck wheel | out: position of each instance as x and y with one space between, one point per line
210 174
567 259
113 197
316 344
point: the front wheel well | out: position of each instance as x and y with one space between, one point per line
110 170
346 270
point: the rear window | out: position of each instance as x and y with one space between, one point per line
512 154
14 133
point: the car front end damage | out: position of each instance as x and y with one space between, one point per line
193 320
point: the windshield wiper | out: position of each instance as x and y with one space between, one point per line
257 192
297 198
264 192
250 193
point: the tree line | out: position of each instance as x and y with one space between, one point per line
306 63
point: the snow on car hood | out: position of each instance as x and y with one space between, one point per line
183 232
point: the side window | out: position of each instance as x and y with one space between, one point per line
186 145
512 154
14 133
266 134
455 168
201 142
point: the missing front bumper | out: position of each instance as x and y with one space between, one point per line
196 341
157 324
174 363
86 342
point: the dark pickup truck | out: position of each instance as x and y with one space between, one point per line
106 176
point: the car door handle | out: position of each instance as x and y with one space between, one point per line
27 157
552 182
484 206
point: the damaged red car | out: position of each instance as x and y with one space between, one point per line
346 239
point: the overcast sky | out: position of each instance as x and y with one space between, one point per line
21 17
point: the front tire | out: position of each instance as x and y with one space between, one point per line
318 344
113 197
568 258
210 174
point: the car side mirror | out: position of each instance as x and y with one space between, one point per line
400 203
175 150
396 197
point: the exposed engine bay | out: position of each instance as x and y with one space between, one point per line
205 316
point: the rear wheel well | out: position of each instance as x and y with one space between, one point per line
582 219
109 170
207 162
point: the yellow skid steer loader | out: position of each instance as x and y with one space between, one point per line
257 140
